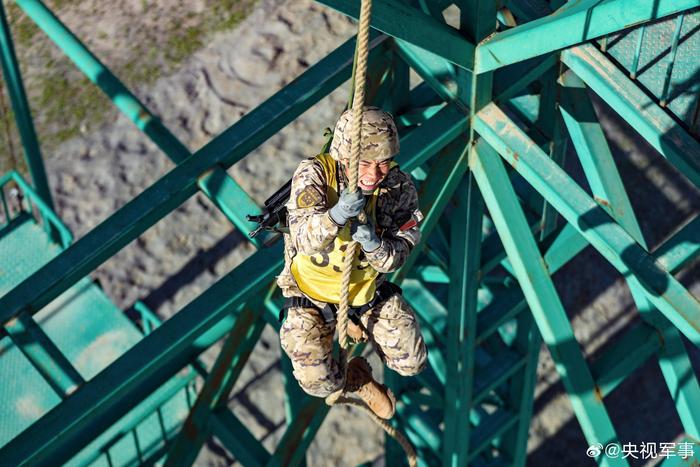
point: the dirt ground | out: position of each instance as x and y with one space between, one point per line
100 167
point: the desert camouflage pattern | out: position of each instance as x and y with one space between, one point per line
379 140
308 341
312 230
391 326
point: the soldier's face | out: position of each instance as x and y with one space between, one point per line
370 174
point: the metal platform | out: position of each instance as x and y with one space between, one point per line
484 135
663 58
90 332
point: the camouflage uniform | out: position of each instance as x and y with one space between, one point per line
391 325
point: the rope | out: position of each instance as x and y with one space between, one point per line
358 100
386 426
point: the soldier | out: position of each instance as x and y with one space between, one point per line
321 216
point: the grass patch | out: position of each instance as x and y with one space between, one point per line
65 103
72 105
23 28
181 45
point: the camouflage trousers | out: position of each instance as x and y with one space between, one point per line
308 341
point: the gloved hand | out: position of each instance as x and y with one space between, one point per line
365 235
349 205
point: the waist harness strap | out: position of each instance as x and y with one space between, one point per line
383 292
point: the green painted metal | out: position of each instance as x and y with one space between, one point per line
52 332
43 354
464 275
224 192
572 24
145 367
238 439
682 248
23 116
608 190
45 213
435 193
437 72
639 110
618 363
179 184
484 303
661 59
215 392
542 298
611 240
593 152
398 20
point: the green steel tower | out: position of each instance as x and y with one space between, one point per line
484 134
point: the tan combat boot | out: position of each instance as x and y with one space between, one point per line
378 397
356 333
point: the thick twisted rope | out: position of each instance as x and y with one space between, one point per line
360 77
355 135
386 426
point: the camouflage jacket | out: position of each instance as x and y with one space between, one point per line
311 228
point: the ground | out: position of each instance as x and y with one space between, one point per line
209 69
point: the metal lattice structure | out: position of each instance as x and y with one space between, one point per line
508 85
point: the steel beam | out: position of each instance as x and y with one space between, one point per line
291 449
399 20
238 440
522 388
432 311
508 83
179 184
465 262
602 232
572 24
23 114
436 72
224 374
47 214
593 152
541 296
626 354
176 186
44 355
682 248
95 400
434 195
528 10
608 190
635 107
100 402
218 186
424 142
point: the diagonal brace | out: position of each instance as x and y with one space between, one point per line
221 189
601 231
399 20
643 114
574 23
179 184
541 296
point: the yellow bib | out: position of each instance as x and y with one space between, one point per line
319 275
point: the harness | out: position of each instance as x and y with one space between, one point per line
328 312
319 275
